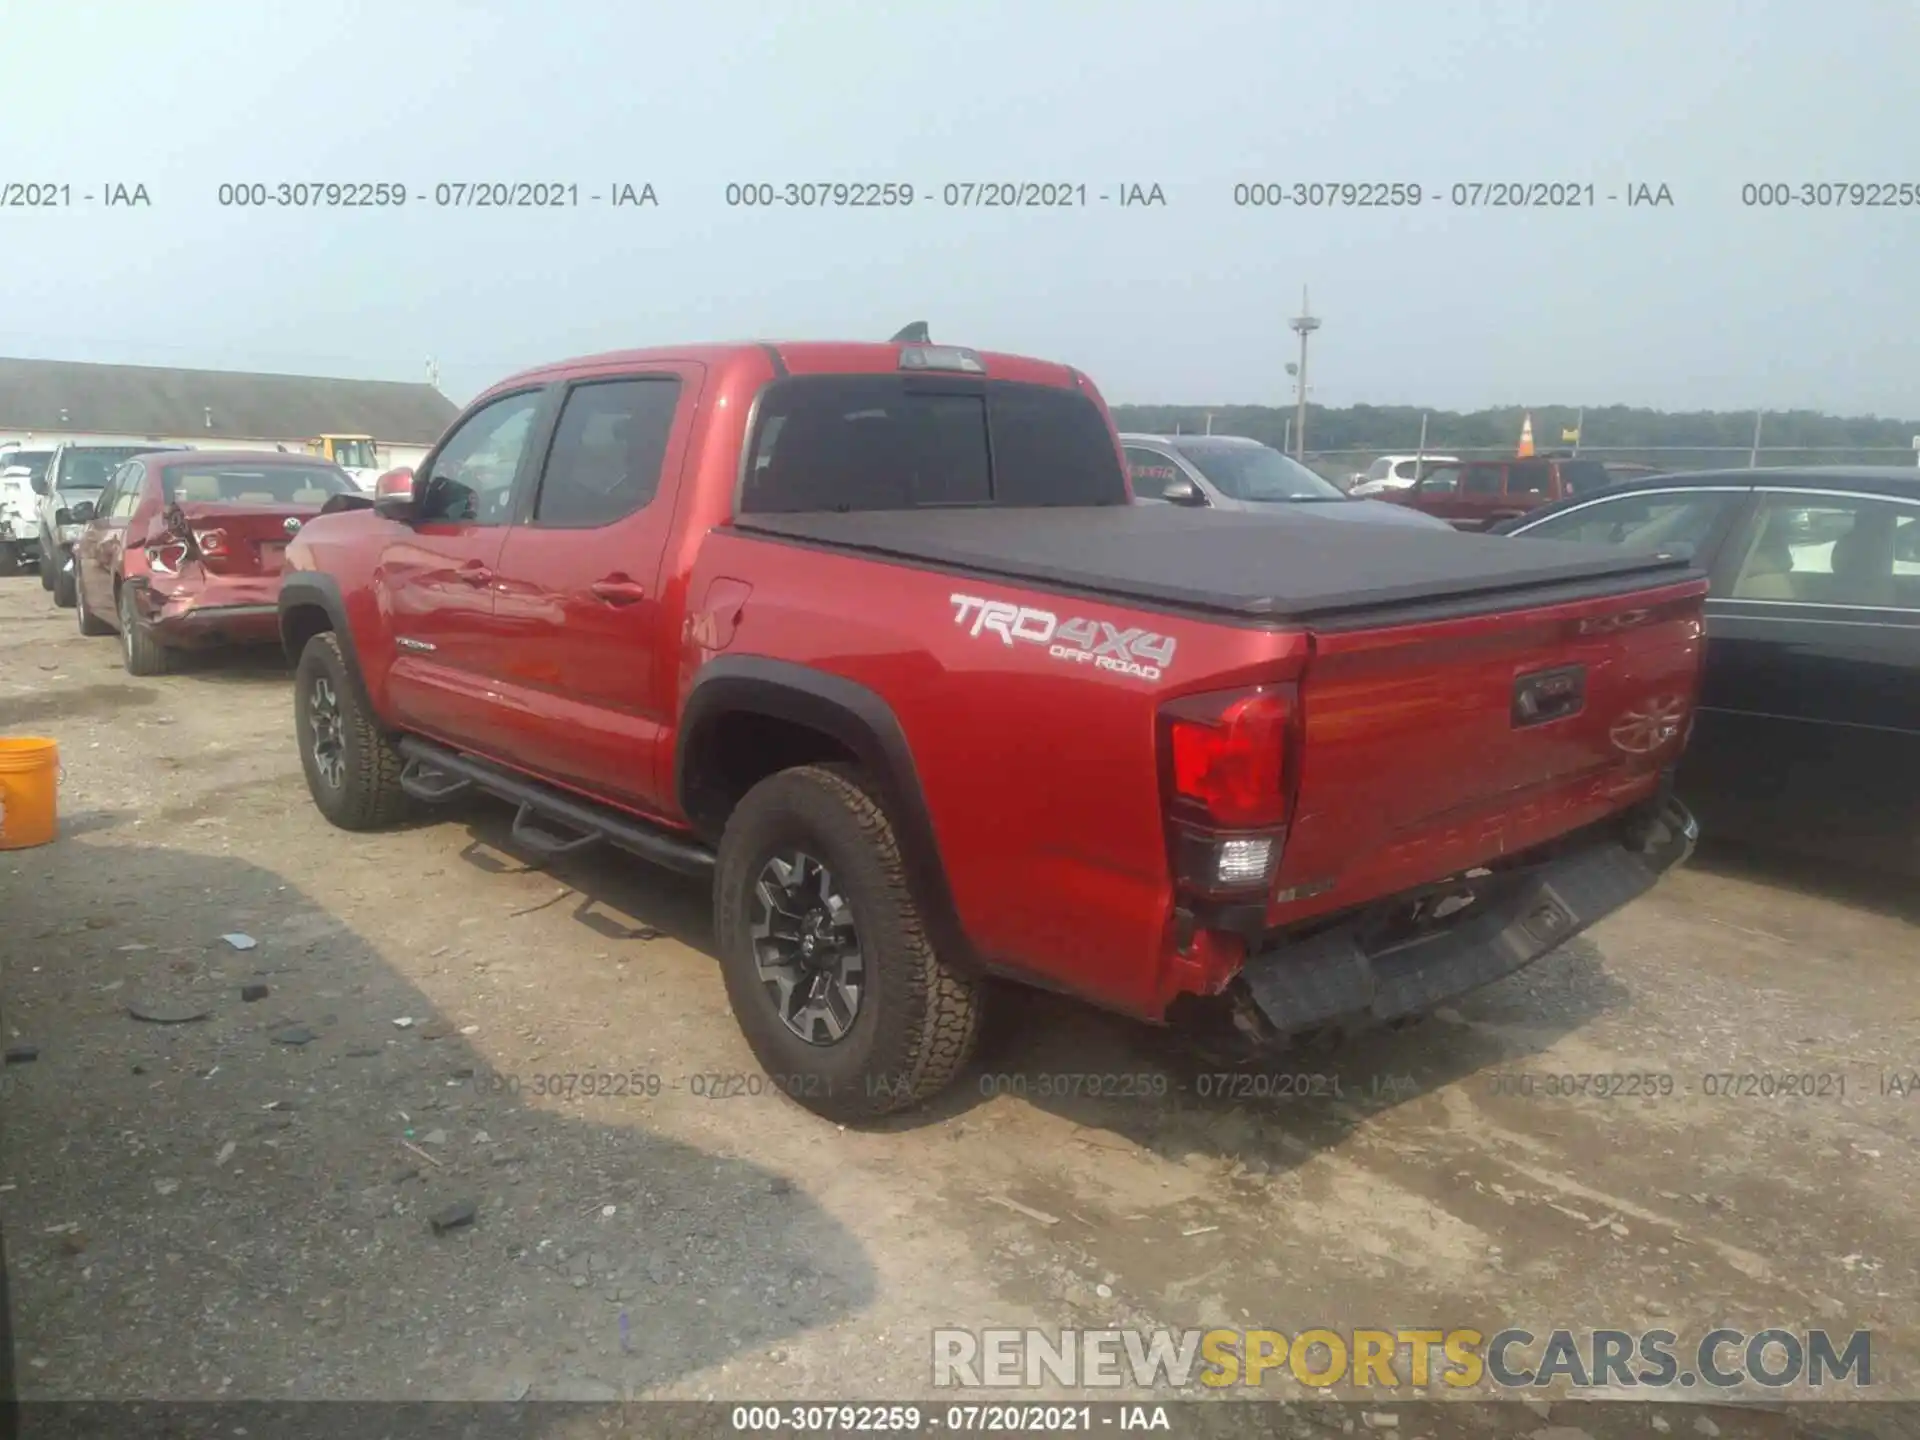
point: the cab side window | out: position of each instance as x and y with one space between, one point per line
607 451
471 479
1482 479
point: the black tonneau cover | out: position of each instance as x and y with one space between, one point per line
1291 566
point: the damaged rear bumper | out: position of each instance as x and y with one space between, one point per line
1342 976
244 610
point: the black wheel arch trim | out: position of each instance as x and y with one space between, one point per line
305 590
858 719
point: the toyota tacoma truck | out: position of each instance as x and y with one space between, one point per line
871 637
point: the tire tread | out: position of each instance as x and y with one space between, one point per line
373 796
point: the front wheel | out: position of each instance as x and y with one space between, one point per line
46 560
89 626
827 961
63 591
353 770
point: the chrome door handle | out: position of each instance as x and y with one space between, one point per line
618 590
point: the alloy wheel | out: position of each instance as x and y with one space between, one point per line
329 734
807 947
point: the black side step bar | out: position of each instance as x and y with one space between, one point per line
434 773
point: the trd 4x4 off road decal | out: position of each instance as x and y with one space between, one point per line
1104 646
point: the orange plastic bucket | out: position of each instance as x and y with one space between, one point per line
29 791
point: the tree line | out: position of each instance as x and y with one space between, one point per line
1610 428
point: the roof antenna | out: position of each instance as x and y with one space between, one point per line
914 334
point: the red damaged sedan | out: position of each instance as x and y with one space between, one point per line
183 549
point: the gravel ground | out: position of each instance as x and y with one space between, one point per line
239 1205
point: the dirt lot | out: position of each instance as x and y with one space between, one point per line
237 1206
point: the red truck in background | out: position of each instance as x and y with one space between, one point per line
873 636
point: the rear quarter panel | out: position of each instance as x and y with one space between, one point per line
1039 774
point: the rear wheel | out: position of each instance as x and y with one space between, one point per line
353 771
139 651
826 957
88 625
9 557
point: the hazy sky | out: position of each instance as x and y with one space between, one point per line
1706 303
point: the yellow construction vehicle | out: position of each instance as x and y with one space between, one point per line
354 454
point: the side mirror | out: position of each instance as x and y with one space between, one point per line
393 494
39 483
1182 492
76 514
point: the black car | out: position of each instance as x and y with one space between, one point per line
1808 732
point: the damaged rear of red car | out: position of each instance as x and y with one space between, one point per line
184 550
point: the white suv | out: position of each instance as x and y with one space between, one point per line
1396 472
19 525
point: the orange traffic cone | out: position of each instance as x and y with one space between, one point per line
1526 436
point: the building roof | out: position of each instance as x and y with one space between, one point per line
155 400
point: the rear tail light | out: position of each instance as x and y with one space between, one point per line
168 556
1228 774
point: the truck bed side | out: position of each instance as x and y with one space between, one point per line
1039 770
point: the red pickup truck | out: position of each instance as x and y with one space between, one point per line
873 636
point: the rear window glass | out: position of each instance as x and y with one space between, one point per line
256 484
884 442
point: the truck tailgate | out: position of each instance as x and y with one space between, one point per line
1431 748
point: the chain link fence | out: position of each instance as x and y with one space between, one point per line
1344 465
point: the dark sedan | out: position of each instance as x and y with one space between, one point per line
1808 731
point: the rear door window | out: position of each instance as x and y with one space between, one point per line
883 442
607 451
1481 479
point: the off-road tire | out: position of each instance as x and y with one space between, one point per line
139 651
46 563
918 1019
63 588
368 796
89 626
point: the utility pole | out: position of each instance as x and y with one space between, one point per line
1753 455
1303 324
433 372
